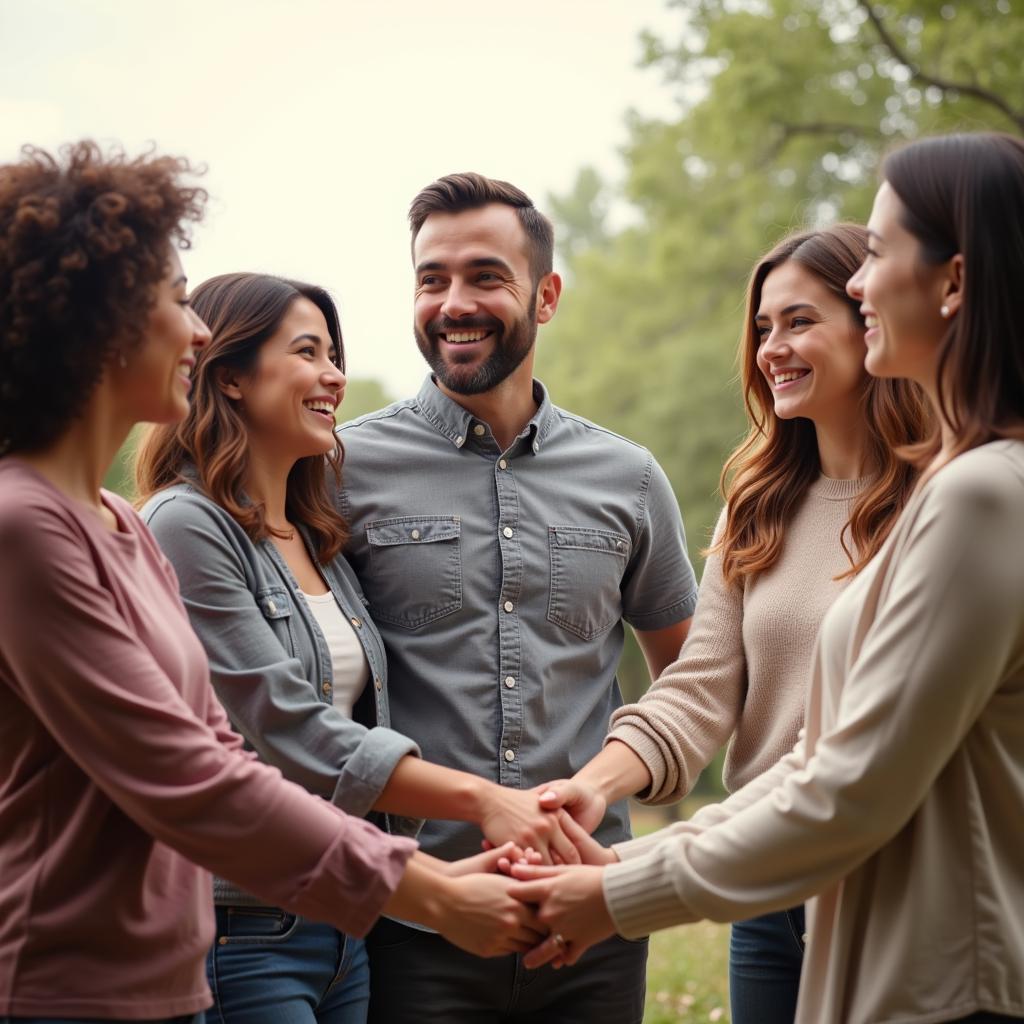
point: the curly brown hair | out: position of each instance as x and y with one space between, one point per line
84 242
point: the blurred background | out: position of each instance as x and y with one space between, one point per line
671 142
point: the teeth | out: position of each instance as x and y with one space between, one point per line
459 337
782 378
870 321
320 406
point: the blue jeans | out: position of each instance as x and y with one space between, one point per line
419 977
189 1018
765 957
267 966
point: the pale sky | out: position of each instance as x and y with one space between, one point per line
319 121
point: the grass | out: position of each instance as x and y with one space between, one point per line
687 969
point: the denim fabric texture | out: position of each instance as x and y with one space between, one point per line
191 1018
765 957
269 661
270 967
500 581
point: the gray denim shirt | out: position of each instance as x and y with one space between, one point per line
269 661
500 581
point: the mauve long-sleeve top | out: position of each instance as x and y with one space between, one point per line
119 775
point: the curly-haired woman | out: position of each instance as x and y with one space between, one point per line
118 770
810 496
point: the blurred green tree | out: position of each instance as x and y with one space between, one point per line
783 111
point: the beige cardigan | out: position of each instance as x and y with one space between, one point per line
902 808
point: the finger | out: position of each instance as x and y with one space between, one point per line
563 847
505 865
529 872
545 953
572 828
552 798
486 844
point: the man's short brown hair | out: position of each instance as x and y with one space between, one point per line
469 191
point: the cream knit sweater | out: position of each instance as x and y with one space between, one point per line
744 668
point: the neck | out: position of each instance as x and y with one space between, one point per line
842 448
507 407
81 457
266 484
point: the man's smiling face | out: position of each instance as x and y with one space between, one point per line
475 312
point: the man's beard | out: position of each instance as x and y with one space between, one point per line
507 352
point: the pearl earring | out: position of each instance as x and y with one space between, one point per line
944 311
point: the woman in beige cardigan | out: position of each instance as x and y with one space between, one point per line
899 810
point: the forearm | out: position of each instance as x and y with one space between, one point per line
616 772
418 788
421 894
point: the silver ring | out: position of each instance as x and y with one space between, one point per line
559 941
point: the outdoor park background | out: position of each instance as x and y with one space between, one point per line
733 121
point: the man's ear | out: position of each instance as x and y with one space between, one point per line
548 292
953 287
228 381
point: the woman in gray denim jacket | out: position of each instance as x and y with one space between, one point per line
238 497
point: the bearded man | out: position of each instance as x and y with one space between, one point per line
501 543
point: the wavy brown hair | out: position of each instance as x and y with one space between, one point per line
766 477
965 194
210 446
84 243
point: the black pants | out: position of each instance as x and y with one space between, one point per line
417 977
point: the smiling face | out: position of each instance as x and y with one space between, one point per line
156 379
901 297
811 350
289 399
476 306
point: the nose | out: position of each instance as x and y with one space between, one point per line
774 346
855 286
458 301
201 335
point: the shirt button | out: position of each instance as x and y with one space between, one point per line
510 755
271 607
502 464
510 681
327 689
415 534
356 622
536 447
508 531
479 429
508 606
803 938
378 684
459 441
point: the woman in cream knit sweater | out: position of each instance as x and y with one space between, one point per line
899 811
811 494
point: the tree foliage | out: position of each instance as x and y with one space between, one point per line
783 111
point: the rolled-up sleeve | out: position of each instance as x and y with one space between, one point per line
261 685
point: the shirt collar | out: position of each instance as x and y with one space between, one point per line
454 422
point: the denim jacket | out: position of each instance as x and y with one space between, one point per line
269 661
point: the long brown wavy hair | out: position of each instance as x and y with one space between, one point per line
210 446
766 477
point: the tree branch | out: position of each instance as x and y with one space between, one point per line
916 72
789 131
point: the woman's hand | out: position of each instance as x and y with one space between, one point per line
516 814
499 858
478 914
570 903
584 802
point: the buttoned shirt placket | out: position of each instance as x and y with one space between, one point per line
510 659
